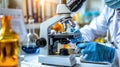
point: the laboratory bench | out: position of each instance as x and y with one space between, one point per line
31 60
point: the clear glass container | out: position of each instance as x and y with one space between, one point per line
9 44
29 45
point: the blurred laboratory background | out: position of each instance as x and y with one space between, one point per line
41 10
36 12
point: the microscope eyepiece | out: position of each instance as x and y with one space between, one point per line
75 5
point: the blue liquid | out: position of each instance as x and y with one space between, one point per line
31 49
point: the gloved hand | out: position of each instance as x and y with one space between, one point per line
76 31
96 52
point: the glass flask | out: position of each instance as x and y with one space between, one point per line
9 44
29 45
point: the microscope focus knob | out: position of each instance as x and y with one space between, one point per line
41 42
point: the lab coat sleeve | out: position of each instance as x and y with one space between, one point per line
96 28
118 55
117 58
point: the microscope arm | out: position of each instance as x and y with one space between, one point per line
45 30
45 26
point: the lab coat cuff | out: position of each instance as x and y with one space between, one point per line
116 62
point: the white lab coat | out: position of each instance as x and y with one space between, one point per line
99 26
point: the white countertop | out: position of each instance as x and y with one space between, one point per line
32 61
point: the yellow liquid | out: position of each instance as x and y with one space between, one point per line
9 44
9 53
99 40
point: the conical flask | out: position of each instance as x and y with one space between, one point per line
9 44
29 45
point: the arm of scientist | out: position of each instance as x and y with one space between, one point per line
98 28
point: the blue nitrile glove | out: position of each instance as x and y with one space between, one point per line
79 38
96 52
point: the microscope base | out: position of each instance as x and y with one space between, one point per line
57 60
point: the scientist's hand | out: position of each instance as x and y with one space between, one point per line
76 31
96 52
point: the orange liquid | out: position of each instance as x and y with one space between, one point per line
59 28
9 44
9 53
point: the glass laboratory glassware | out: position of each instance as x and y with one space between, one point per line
9 44
29 45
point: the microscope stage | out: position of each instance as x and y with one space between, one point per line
65 35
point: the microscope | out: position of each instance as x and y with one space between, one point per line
48 40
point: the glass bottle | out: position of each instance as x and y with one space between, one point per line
9 44
29 45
